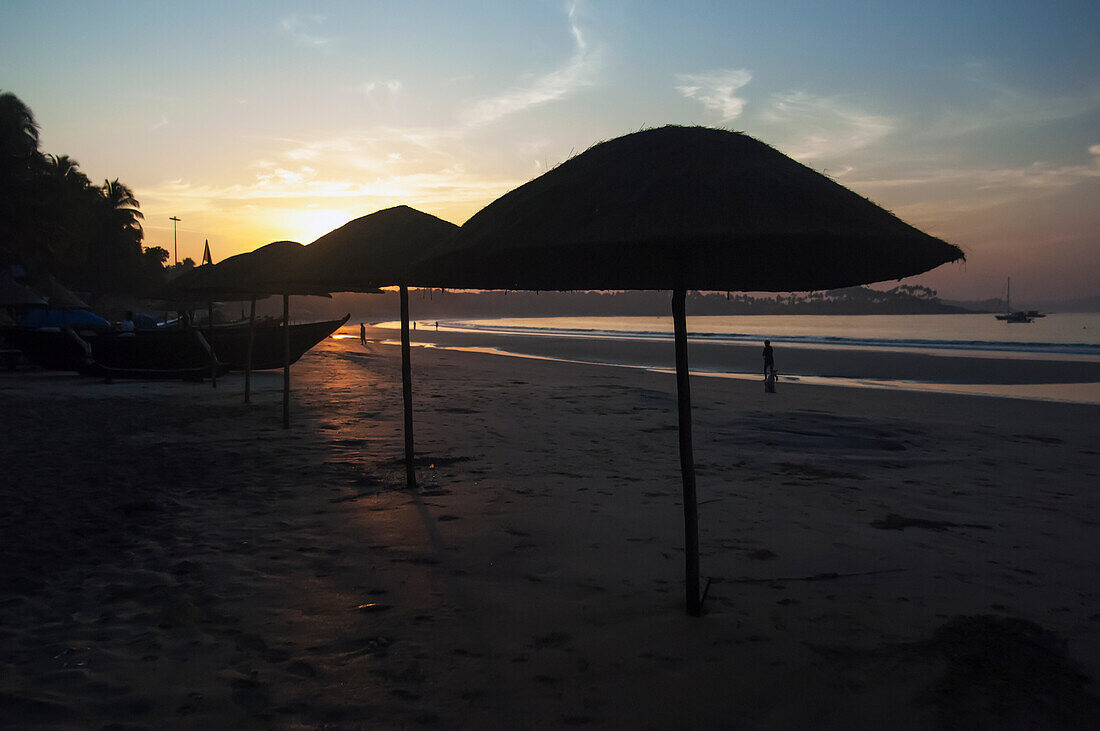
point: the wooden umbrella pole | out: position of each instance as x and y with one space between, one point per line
251 343
687 458
406 388
210 337
286 361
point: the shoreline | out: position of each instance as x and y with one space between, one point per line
1045 377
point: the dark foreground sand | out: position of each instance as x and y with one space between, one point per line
173 558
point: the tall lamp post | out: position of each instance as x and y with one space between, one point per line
175 251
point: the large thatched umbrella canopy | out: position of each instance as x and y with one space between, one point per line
682 208
373 251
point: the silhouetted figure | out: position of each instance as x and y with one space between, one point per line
437 325
769 358
362 334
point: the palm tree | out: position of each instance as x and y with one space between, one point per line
115 261
18 133
123 207
20 204
73 200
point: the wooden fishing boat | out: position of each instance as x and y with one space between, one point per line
174 352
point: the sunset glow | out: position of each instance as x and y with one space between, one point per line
977 124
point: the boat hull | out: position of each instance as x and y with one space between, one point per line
166 351
231 344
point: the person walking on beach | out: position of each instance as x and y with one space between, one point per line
769 368
769 358
362 334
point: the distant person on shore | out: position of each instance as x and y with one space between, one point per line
769 359
437 325
362 334
769 368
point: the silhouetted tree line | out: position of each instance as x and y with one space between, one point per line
436 304
54 220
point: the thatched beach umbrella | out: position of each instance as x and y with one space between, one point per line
375 251
14 294
58 295
254 275
682 208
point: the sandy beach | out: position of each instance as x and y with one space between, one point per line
174 558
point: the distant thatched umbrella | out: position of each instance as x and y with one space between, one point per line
58 295
14 294
682 208
373 251
253 275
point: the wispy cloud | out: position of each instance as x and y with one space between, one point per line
715 90
809 127
1038 175
303 30
391 85
933 194
577 73
992 103
162 122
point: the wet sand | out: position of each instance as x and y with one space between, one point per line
172 557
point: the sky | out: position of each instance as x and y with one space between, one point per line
978 122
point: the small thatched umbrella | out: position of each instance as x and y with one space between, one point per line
682 208
253 275
375 251
14 294
58 295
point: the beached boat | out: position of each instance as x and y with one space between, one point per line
166 352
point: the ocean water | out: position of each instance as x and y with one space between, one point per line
1057 334
1070 337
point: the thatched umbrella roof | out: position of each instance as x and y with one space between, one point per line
682 207
58 295
12 293
177 290
374 250
265 271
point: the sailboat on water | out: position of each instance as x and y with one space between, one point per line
1008 315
